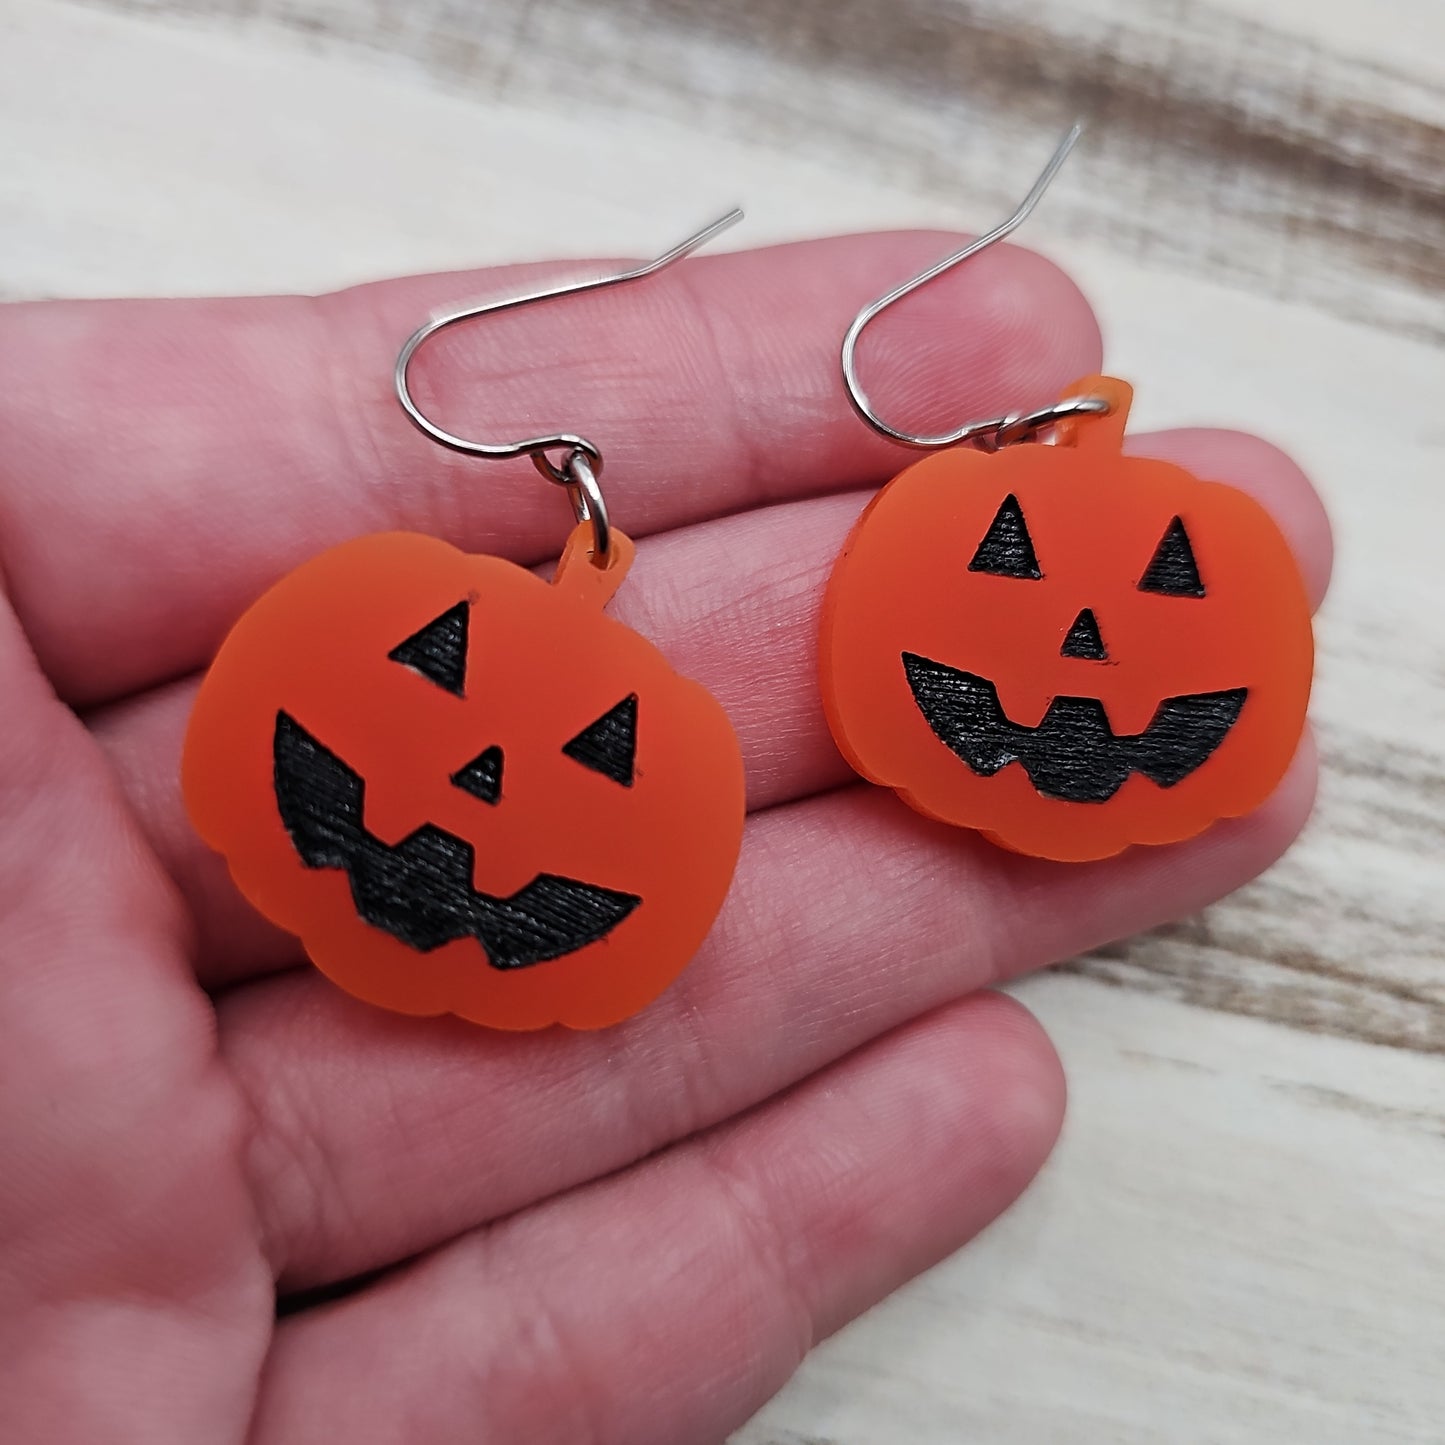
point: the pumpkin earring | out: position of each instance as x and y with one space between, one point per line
465 789
1065 648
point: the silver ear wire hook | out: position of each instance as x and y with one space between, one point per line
989 433
583 460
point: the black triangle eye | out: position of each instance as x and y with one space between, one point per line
439 650
482 777
609 746
1173 570
1007 550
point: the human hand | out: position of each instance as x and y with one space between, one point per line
627 1236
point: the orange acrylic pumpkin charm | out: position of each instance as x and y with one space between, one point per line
466 790
1068 649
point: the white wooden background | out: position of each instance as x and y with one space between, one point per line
1242 1236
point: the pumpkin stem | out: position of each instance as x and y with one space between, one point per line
578 573
1101 431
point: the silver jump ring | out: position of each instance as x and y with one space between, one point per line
588 504
1026 425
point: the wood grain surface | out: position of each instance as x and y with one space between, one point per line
1211 126
1242 1237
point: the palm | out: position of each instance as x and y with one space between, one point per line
631 1235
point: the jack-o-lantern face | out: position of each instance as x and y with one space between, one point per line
1066 648
466 790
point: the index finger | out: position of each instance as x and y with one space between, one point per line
167 460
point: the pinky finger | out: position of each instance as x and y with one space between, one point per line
670 1302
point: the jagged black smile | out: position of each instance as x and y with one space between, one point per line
1073 753
420 891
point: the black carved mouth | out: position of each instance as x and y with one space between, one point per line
1073 754
420 891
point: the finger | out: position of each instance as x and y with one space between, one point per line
165 461
133 1301
378 1137
670 1302
733 604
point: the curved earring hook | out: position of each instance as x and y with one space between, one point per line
583 459
990 432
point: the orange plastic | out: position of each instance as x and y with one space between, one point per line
903 585
543 662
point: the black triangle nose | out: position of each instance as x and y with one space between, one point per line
1083 639
482 777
